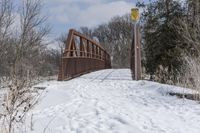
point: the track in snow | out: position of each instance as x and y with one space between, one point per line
108 101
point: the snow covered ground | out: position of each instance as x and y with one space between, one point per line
108 101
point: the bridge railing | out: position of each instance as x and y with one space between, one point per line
82 55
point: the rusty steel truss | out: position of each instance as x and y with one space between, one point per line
82 55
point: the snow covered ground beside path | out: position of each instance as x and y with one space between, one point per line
108 101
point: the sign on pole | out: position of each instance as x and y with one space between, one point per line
136 60
135 15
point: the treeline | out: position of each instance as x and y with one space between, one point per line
170 40
24 57
115 36
23 50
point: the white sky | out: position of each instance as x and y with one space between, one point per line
66 14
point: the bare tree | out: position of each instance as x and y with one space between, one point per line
61 42
6 20
86 31
26 49
115 36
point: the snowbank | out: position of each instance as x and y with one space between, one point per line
108 101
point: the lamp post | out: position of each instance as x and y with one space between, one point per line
136 57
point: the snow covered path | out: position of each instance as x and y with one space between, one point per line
108 101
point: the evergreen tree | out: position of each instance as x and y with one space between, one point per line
161 49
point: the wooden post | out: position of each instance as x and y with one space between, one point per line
137 54
136 60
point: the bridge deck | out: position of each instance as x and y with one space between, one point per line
108 74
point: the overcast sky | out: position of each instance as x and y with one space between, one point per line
66 14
